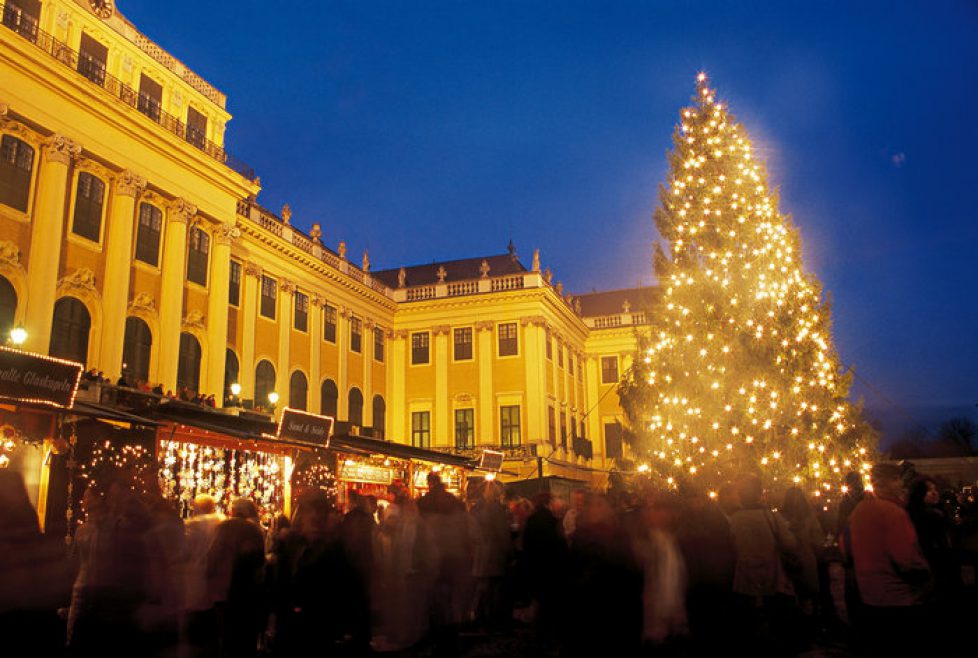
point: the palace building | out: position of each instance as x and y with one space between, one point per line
131 241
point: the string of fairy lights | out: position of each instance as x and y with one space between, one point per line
188 469
739 372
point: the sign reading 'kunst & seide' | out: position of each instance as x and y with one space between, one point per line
304 427
34 378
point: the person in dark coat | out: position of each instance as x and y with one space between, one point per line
545 552
235 576
359 533
707 545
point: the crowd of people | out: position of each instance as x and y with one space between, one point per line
125 381
628 573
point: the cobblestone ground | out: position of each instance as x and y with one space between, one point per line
518 642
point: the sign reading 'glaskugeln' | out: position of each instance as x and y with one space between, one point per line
304 427
35 378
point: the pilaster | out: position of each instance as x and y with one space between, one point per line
178 216
217 307
126 188
47 233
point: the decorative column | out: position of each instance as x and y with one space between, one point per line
286 298
47 236
487 407
178 216
534 360
315 354
367 343
249 315
126 188
440 433
217 307
343 352
592 395
396 380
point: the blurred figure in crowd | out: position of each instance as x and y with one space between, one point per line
200 621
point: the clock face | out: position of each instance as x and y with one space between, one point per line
102 8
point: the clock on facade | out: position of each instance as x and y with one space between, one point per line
102 8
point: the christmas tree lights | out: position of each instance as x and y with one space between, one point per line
738 373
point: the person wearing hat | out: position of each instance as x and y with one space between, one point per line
891 571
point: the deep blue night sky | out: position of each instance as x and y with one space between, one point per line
440 130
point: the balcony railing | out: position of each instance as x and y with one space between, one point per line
274 225
25 26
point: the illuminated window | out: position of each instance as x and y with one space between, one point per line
421 429
378 344
268 292
89 200
200 247
16 165
507 339
234 284
22 17
609 370
329 323
356 334
462 343
148 234
301 319
150 97
464 428
509 426
92 56
196 128
419 348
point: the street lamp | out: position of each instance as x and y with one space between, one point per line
273 399
18 335
235 389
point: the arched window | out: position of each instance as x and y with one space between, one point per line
329 395
264 383
8 308
231 369
355 414
298 389
135 350
69 330
380 412
188 367
16 164
89 198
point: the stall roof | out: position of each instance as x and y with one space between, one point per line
80 408
363 444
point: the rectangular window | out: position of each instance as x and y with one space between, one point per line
16 165
301 319
609 370
612 441
356 334
560 355
268 286
552 426
89 197
92 57
464 428
150 97
462 338
234 284
378 344
509 426
419 348
22 17
200 247
550 345
196 128
570 363
148 234
563 431
507 339
329 323
421 429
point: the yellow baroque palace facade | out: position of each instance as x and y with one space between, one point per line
131 241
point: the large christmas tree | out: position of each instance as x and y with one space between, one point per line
738 373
